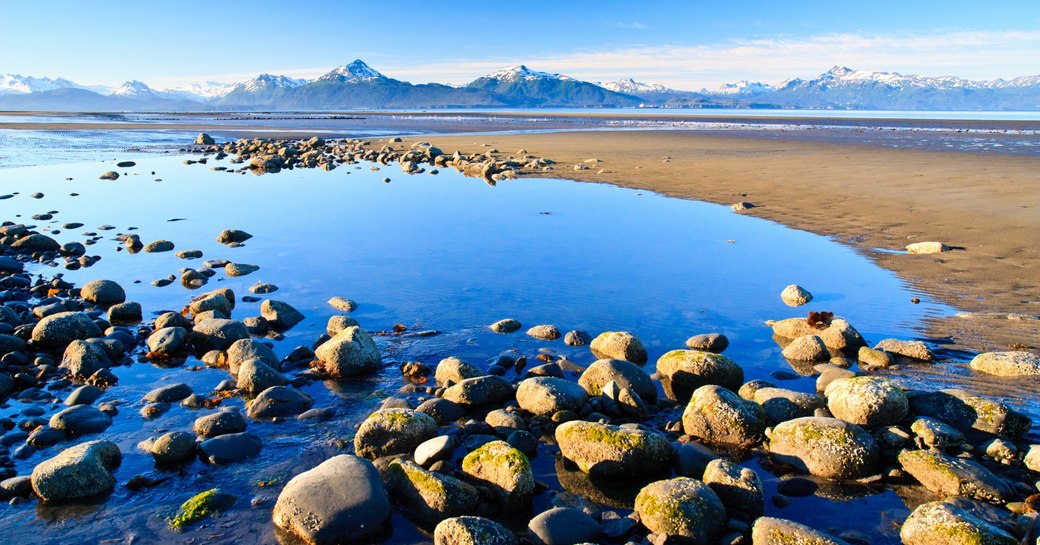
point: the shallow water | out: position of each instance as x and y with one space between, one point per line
441 252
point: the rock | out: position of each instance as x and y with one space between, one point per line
577 337
442 410
102 293
281 316
230 448
683 371
240 269
719 416
217 334
708 342
472 531
947 476
158 246
931 247
173 447
77 472
564 526
612 451
247 349
544 396
428 495
625 374
200 506
342 303
168 394
867 401
507 325
341 500
219 423
349 353
204 139
58 330
279 401
169 342
80 420
434 450
691 459
774 531
504 470
233 236
544 332
16 487
255 376
876 358
110 175
1007 364
504 422
36 243
739 488
936 434
824 447
915 350
453 370
966 411
393 431
84 395
217 300
806 348
942 523
620 345
795 296
128 313
681 507
839 336
83 359
477 391
781 404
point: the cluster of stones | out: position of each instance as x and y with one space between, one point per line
273 155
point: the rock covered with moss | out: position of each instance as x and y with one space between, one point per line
683 371
942 523
739 488
430 496
624 373
681 507
781 404
947 476
201 506
1016 363
613 451
472 531
867 401
720 416
620 345
504 470
393 431
341 500
775 531
967 411
825 447
545 396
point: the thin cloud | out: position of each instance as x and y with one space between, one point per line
636 25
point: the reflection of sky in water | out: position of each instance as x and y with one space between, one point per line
438 252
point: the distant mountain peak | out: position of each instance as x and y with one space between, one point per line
19 84
133 88
267 81
355 71
521 72
632 87
743 88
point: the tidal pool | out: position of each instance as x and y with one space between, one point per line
432 252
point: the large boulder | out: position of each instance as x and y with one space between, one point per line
681 507
341 500
349 353
967 411
545 396
613 451
472 531
948 477
1015 363
77 472
720 416
428 495
942 523
620 345
217 334
774 531
393 431
502 469
825 447
624 373
683 371
478 391
58 330
867 401
103 293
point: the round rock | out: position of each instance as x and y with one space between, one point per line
620 345
681 507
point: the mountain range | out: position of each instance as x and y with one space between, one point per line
357 85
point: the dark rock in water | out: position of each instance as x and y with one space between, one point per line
796 487
564 526
966 411
168 342
158 246
739 488
279 401
255 376
45 436
168 394
477 391
708 342
524 441
84 395
281 316
341 500
219 423
173 447
102 292
9 265
126 164
262 288
78 472
189 254
230 236
230 448
36 243
128 313
442 410
83 359
80 420
217 334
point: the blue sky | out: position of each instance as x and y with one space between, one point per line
687 45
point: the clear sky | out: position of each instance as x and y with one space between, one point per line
687 45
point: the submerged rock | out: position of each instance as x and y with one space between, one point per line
564 525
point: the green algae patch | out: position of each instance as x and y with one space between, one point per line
201 506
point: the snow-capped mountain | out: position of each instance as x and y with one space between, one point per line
355 71
18 84
266 81
520 72
201 92
134 89
741 88
632 87
525 87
